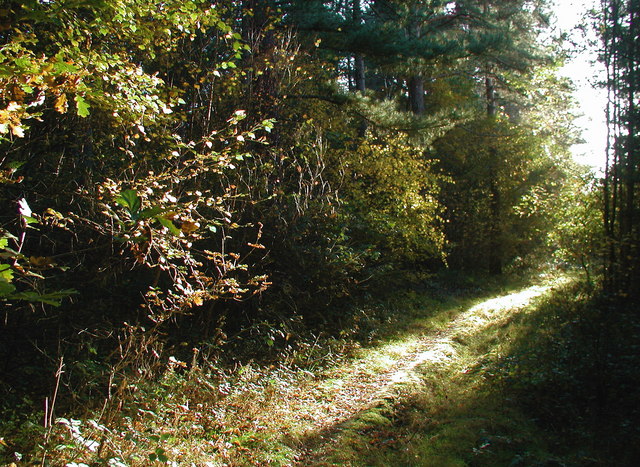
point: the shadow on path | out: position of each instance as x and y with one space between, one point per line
432 393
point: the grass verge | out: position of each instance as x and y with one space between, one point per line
550 383
447 381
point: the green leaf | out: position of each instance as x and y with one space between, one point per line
52 298
169 225
6 273
129 199
162 456
10 253
15 164
82 106
153 211
6 289
65 67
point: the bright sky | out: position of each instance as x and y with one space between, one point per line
583 72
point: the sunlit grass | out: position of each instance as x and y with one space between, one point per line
418 397
447 412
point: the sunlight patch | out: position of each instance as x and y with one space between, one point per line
507 302
442 351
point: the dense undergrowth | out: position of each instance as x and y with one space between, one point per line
194 386
206 204
552 384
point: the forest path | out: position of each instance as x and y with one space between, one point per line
423 389
343 398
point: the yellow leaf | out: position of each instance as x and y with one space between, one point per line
41 261
189 227
61 103
52 213
17 130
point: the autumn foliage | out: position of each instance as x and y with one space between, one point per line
176 173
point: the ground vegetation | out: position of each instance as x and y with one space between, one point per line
206 205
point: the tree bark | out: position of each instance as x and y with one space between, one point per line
416 82
359 68
416 95
495 257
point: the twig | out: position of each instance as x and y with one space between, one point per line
48 410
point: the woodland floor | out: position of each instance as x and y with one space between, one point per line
363 395
467 381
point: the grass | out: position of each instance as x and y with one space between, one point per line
453 412
463 380
526 386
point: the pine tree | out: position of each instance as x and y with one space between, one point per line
621 55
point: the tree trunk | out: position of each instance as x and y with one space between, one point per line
631 234
416 82
416 95
495 257
262 82
621 54
359 69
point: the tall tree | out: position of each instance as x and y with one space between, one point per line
621 55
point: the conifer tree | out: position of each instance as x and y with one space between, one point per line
501 77
621 55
